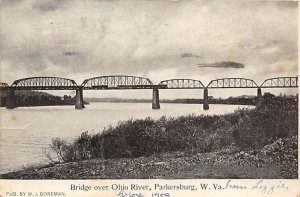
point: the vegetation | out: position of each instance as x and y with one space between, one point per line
35 98
243 129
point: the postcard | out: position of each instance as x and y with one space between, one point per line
138 98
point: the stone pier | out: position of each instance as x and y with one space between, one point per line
10 99
155 99
259 93
79 99
259 98
205 99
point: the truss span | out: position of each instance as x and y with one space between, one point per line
44 83
181 84
280 82
117 82
232 83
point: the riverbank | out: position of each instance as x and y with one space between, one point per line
267 163
29 98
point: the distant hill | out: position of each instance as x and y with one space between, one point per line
118 100
245 99
28 93
37 98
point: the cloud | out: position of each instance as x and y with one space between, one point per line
186 55
10 2
287 4
88 38
222 65
69 53
47 5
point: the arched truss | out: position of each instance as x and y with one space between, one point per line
117 82
44 83
280 82
181 84
232 83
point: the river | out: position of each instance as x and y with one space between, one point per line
26 131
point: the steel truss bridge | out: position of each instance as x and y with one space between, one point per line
280 82
232 83
119 82
44 83
135 82
181 84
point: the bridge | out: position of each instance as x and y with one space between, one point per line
123 82
282 82
182 84
44 83
229 83
117 82
232 83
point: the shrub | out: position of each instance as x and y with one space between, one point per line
65 152
261 126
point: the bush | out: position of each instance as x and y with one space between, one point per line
65 152
262 126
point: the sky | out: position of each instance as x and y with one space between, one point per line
160 40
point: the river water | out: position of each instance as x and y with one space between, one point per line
26 131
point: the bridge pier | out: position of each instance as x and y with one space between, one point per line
259 93
205 99
10 99
155 99
259 98
79 99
